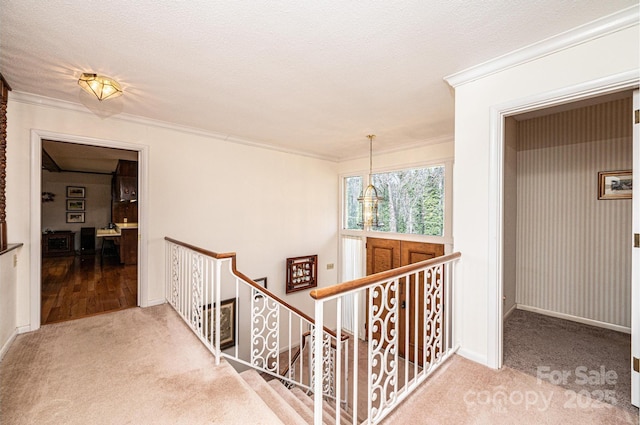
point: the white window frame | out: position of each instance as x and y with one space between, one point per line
446 238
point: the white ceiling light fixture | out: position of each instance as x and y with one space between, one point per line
369 199
100 86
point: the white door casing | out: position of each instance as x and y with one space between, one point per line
635 257
614 83
36 196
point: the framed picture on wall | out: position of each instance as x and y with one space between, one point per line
615 184
75 192
75 217
302 273
227 322
262 282
75 204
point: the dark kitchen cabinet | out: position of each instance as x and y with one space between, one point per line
126 189
129 246
124 210
125 181
125 192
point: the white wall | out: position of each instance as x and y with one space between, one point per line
406 158
8 291
97 201
263 204
587 62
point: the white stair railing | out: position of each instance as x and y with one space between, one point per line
252 327
409 326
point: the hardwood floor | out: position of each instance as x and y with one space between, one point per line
73 288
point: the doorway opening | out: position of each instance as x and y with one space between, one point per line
73 217
89 265
566 263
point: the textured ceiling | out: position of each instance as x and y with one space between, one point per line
311 77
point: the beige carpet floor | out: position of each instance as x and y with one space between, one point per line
136 366
462 392
580 358
144 366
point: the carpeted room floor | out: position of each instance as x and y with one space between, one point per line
133 366
585 360
144 366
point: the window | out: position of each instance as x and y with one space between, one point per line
352 189
413 201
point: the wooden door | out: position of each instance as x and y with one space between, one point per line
387 254
382 255
414 252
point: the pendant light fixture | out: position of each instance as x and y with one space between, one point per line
369 199
100 86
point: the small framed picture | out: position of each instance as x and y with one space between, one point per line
75 204
302 273
75 217
75 192
227 323
615 184
262 282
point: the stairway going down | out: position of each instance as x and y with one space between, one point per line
293 406
257 329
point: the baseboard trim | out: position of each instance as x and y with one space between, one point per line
24 329
511 310
7 344
153 303
578 319
473 356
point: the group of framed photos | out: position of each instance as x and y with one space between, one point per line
76 204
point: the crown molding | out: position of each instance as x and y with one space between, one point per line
625 18
448 138
33 99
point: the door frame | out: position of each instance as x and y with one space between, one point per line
594 88
35 284
635 260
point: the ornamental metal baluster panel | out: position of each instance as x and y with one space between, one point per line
312 357
197 262
429 327
328 364
433 292
174 274
264 332
438 291
383 347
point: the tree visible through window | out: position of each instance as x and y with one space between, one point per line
414 201
352 189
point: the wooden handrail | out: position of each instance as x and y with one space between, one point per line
330 291
201 250
232 256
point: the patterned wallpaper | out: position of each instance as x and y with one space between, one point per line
573 250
